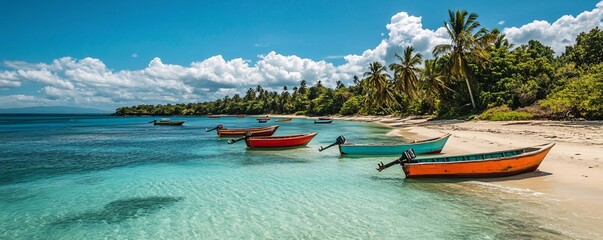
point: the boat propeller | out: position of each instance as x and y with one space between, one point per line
247 135
406 156
217 127
339 140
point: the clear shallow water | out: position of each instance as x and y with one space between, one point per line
91 177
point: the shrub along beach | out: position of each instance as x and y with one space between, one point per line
478 72
479 76
450 131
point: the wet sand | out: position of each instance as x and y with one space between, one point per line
568 183
570 177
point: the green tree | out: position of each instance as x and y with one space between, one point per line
405 72
588 49
465 46
377 91
432 82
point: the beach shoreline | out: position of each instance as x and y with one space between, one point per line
570 176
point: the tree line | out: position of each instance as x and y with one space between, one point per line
479 71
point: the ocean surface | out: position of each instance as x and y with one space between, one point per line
97 177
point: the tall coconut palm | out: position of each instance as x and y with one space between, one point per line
405 72
376 87
500 40
432 82
465 47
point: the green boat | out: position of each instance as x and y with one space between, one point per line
427 146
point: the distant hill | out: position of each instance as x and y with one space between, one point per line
55 109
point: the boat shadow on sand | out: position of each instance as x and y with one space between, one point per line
121 210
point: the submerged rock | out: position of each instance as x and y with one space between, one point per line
123 209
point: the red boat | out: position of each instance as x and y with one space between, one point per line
275 142
279 141
239 132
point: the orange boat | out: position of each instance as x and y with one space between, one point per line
492 164
238 132
276 141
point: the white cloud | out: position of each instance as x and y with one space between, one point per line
134 55
334 56
9 80
20 100
560 33
501 22
404 30
89 82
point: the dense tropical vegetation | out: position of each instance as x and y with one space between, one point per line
479 71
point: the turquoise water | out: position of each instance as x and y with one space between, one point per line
93 177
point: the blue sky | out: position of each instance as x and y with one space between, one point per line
294 39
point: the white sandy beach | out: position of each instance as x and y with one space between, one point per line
571 175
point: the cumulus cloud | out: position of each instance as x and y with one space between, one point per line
404 30
501 23
560 33
9 80
89 82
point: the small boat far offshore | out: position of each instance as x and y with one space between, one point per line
322 121
167 122
276 141
427 146
475 165
238 132
284 120
213 116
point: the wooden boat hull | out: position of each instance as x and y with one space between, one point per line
428 146
175 123
325 118
279 141
322 121
263 131
263 118
527 161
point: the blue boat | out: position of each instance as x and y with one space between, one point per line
433 145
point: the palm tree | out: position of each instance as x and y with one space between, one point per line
465 47
405 72
377 86
432 82
500 40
